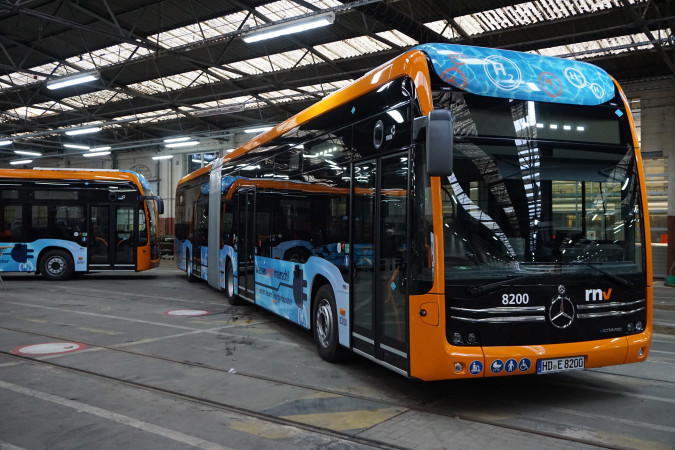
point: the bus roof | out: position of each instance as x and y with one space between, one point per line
478 70
47 173
523 76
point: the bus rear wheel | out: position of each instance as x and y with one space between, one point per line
231 297
325 325
56 265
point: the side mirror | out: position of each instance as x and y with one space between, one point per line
160 205
439 126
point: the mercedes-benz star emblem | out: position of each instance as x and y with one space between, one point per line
561 312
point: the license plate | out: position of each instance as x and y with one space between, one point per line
560 364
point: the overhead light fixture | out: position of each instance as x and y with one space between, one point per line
5 142
162 157
72 81
290 27
16 162
176 139
77 146
94 154
99 149
182 144
27 153
257 129
76 131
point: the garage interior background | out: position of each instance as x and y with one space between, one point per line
176 69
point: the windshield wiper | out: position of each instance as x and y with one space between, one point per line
475 291
610 275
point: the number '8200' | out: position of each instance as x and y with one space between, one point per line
515 299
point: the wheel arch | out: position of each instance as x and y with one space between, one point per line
45 250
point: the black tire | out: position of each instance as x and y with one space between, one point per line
188 268
232 298
56 265
325 325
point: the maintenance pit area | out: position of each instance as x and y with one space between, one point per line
149 360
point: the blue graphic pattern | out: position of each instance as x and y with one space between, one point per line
522 76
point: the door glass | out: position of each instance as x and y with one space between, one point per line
124 242
99 235
363 246
245 242
392 292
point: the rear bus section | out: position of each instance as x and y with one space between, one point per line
58 222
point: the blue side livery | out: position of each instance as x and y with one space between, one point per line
24 256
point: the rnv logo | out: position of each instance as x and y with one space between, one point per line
596 295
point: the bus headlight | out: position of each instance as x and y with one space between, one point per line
457 339
639 326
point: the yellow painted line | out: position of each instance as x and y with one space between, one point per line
36 320
321 395
347 420
99 331
264 429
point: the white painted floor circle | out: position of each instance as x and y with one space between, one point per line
187 312
48 348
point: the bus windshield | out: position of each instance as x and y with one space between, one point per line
539 188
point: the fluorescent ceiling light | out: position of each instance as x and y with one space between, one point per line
257 129
76 146
5 142
76 131
162 157
71 81
94 154
182 144
293 26
177 139
21 161
27 153
99 149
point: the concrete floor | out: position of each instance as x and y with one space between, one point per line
135 376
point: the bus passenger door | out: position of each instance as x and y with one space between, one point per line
246 242
110 237
378 248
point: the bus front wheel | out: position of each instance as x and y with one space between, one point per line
56 265
325 325
231 297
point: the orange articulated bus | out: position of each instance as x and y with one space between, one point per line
457 212
58 222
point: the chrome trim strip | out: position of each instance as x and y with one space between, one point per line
363 338
610 305
503 319
394 351
501 309
382 363
608 314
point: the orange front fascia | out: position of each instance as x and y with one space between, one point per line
143 261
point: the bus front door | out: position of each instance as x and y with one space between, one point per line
110 239
246 242
379 236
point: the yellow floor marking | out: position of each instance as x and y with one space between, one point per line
347 420
321 395
96 330
264 429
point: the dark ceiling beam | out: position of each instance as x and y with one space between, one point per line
393 18
639 20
